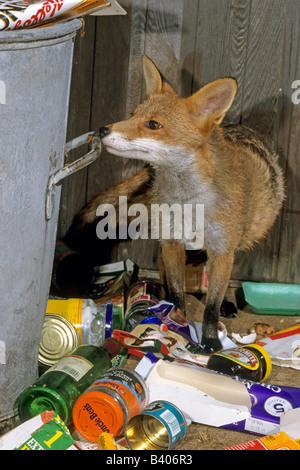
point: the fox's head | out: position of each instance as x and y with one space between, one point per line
167 129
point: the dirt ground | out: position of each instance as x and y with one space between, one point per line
203 437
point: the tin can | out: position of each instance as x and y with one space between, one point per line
160 426
141 295
58 339
108 404
93 323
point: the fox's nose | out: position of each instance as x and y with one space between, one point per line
104 131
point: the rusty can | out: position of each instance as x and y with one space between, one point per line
160 426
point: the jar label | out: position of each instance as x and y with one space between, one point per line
74 366
123 380
241 356
136 294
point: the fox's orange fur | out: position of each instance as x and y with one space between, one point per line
196 159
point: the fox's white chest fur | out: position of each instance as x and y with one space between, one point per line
189 190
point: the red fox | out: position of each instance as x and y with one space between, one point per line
196 159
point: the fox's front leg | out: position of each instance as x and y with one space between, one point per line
219 272
172 271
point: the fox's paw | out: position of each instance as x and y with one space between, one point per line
212 343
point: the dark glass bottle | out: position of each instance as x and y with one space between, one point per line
250 362
59 387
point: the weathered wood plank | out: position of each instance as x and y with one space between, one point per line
261 85
288 264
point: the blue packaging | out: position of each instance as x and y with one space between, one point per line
160 426
268 401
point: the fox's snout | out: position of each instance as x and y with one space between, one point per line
104 131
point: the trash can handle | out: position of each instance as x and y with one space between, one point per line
57 177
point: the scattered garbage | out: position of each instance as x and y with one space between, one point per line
263 329
16 14
58 339
142 295
176 381
268 402
250 362
107 404
59 387
257 331
160 426
203 396
45 431
286 439
244 339
107 442
93 323
284 347
162 342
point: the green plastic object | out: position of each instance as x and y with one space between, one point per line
272 298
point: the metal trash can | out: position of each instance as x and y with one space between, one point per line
35 75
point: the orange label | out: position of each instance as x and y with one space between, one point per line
278 441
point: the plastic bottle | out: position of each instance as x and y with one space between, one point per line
59 387
250 362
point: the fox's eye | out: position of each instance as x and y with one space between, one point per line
153 125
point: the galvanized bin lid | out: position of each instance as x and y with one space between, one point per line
26 38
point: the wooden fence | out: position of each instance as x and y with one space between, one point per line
193 42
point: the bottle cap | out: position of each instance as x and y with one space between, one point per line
265 356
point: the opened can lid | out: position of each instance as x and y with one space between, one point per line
58 339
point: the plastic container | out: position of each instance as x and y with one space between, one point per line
250 362
160 426
141 295
108 404
269 298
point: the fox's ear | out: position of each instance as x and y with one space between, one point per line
154 81
211 102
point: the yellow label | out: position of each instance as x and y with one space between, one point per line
106 442
280 441
241 356
71 309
